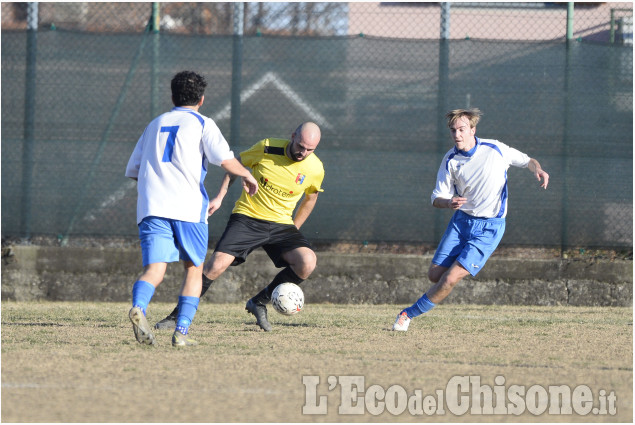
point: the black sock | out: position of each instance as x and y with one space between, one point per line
174 313
286 275
207 282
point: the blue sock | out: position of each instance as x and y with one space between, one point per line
142 293
187 310
422 305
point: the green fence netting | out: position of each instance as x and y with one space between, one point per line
74 103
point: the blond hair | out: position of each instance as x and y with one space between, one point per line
473 115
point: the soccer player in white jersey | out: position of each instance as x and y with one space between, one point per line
169 164
472 180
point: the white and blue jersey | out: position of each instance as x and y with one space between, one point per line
170 171
480 176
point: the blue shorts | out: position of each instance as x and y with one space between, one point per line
470 241
164 240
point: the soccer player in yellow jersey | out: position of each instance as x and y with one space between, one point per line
287 172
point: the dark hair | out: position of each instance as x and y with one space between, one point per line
187 88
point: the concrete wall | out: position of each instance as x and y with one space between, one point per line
31 273
423 21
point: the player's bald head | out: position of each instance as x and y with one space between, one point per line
304 140
309 134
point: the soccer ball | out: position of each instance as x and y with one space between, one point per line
288 299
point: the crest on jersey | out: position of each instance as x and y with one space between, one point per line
300 178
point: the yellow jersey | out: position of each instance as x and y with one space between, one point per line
282 181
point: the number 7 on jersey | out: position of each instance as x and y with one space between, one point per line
169 146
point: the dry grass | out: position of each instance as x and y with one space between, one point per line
79 362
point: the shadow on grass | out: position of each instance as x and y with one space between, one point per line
34 324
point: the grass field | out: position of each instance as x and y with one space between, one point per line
79 362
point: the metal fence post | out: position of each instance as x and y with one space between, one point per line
569 20
154 101
445 21
29 118
564 229
237 63
612 30
442 104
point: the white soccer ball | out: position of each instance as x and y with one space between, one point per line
288 299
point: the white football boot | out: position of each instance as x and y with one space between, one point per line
141 327
402 322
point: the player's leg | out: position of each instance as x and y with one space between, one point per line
441 289
241 236
449 248
437 293
217 264
142 292
188 304
157 249
475 239
435 272
300 262
145 285
288 248
192 241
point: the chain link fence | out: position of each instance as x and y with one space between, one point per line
555 80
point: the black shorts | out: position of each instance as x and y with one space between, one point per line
244 234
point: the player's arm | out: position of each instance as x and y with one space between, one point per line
305 208
519 159
134 163
453 203
233 169
534 167
217 201
443 194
